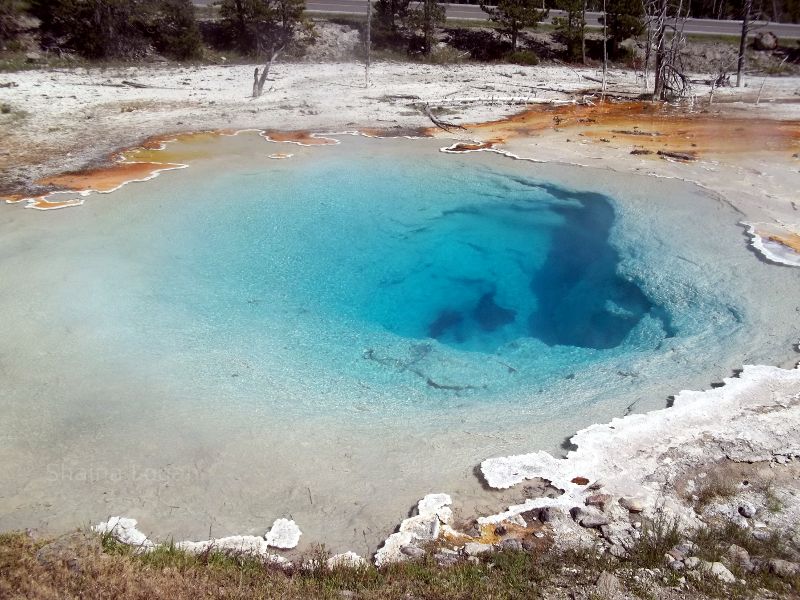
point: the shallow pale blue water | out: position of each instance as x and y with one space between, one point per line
333 335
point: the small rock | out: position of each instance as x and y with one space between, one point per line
598 500
783 568
529 545
550 513
634 505
511 545
588 518
677 565
445 560
720 571
70 550
608 585
762 535
692 562
517 520
676 554
618 551
33 57
747 510
347 594
412 551
474 548
738 555
765 40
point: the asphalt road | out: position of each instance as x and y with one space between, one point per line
474 12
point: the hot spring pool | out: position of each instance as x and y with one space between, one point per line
331 336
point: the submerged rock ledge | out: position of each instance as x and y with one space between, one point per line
637 466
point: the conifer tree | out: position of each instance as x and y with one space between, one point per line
513 16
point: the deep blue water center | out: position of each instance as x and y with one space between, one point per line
427 248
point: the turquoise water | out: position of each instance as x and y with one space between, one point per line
334 335
474 262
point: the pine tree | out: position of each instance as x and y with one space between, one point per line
624 19
426 18
571 28
513 16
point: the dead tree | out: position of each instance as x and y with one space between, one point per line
260 81
369 41
666 37
265 28
748 5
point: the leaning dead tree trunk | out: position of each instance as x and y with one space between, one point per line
260 80
748 4
369 41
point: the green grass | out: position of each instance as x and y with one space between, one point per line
172 574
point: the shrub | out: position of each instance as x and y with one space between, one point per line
9 10
174 29
523 57
119 28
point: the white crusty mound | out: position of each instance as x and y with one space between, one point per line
124 531
283 534
433 511
770 249
753 417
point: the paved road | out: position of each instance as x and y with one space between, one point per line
474 12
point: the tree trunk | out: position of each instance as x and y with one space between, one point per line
258 82
369 40
605 49
658 89
514 34
743 40
583 33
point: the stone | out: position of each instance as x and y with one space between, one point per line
747 510
412 551
692 562
720 571
550 513
475 548
608 585
33 57
593 521
529 545
634 505
347 595
765 40
589 518
739 556
445 560
762 535
424 527
677 565
618 551
783 568
676 554
598 500
511 545
70 550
